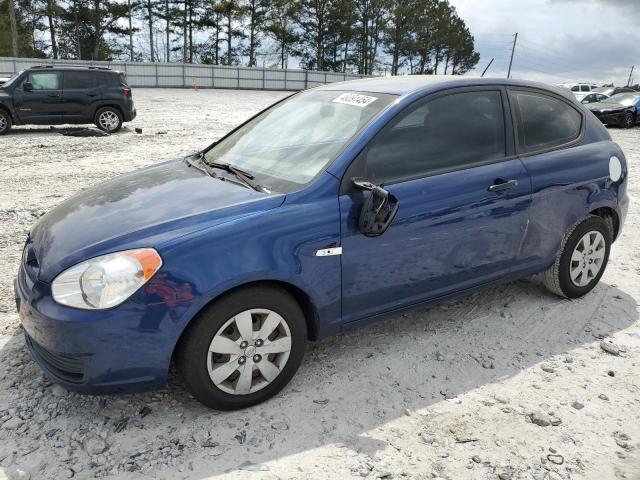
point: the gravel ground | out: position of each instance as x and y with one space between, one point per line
510 383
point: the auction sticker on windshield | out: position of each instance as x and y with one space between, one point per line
355 99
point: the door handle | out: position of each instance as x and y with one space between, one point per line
92 94
54 95
501 185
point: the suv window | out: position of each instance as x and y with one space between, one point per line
438 135
585 88
43 80
544 121
575 88
77 80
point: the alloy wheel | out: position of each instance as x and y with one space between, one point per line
587 258
3 123
108 120
249 351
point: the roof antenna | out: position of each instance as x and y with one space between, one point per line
487 67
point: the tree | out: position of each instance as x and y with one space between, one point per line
256 11
14 27
280 25
313 19
90 29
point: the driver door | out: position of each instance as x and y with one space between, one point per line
42 104
463 204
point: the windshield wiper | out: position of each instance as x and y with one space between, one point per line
245 177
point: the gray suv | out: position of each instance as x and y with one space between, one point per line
48 95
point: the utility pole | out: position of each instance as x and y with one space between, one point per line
630 76
487 67
513 49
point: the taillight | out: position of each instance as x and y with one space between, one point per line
126 92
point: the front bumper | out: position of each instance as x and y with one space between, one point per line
124 350
610 118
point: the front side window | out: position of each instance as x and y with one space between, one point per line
585 88
438 135
44 81
77 80
544 121
286 146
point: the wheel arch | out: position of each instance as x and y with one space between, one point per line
303 298
110 105
4 108
610 216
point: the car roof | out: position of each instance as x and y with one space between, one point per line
72 68
406 84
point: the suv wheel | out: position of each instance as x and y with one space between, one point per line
582 259
5 122
108 119
243 349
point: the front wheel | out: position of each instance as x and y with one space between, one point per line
5 122
628 121
582 259
108 119
243 349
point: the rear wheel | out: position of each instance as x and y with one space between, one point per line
582 259
628 121
243 349
5 122
108 119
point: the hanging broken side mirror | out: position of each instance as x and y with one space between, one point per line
378 211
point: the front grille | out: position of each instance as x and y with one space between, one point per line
66 367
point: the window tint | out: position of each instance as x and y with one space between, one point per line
575 88
438 135
585 88
544 121
76 80
44 81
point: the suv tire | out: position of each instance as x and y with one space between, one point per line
108 119
582 259
216 352
5 122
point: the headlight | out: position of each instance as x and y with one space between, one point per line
105 281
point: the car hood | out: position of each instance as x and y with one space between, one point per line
148 207
606 107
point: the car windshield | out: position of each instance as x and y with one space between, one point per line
625 99
289 144
11 79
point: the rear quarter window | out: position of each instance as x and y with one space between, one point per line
544 122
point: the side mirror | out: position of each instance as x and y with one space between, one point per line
27 86
378 211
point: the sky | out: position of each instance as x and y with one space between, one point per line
558 40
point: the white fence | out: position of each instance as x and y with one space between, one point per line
185 75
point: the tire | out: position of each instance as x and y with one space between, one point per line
558 278
198 366
5 122
108 119
628 121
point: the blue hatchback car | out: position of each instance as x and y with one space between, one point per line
331 209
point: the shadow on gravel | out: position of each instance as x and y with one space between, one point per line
346 386
57 130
